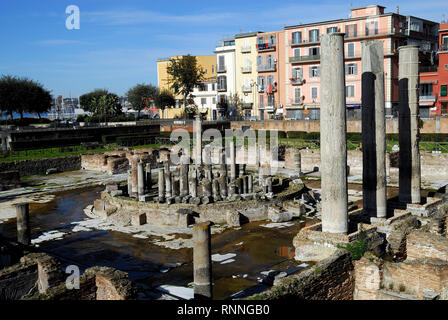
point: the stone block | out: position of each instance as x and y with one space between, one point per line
233 219
138 219
145 198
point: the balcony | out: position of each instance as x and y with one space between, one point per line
427 69
427 98
444 47
221 88
262 47
221 69
297 81
245 50
247 89
295 102
267 68
293 42
247 105
313 58
247 69
261 89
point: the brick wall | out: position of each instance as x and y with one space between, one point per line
421 244
330 279
368 276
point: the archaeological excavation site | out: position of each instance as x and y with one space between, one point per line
230 212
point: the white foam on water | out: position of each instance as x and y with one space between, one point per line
221 257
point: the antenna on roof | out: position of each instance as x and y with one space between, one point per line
443 18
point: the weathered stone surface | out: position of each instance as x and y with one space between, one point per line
138 219
276 214
233 218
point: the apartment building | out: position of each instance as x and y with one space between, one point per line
246 72
204 97
434 81
301 94
225 77
270 46
207 63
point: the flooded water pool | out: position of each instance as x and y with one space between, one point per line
253 248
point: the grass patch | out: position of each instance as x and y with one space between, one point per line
357 248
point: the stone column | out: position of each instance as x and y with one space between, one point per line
232 161
193 185
250 184
215 190
141 179
198 139
202 261
298 162
208 162
161 185
206 190
168 186
23 223
184 180
148 177
333 135
409 132
245 184
129 183
373 130
134 175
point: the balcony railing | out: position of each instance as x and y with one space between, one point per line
221 69
260 88
296 101
266 47
428 69
304 58
245 50
427 98
296 81
247 69
444 47
221 88
266 68
247 89
304 42
247 105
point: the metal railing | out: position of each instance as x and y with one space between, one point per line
427 98
266 46
296 81
221 69
304 58
247 89
266 68
444 47
245 50
247 69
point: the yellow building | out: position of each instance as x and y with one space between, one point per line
246 71
208 64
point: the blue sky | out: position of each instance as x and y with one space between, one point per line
119 41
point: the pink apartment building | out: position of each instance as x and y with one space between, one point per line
270 47
300 82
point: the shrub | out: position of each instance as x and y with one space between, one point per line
357 248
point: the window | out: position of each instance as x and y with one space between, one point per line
314 51
214 100
297 73
351 31
314 93
332 29
269 61
272 39
297 95
259 61
260 40
261 83
221 63
222 98
297 52
261 101
213 87
270 100
426 90
270 80
213 68
203 101
314 35
444 43
371 28
350 50
351 68
350 91
314 71
443 90
296 37
222 83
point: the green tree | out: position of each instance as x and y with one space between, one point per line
107 105
23 95
165 99
86 100
184 74
141 95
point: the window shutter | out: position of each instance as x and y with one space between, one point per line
346 69
311 72
355 68
318 71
